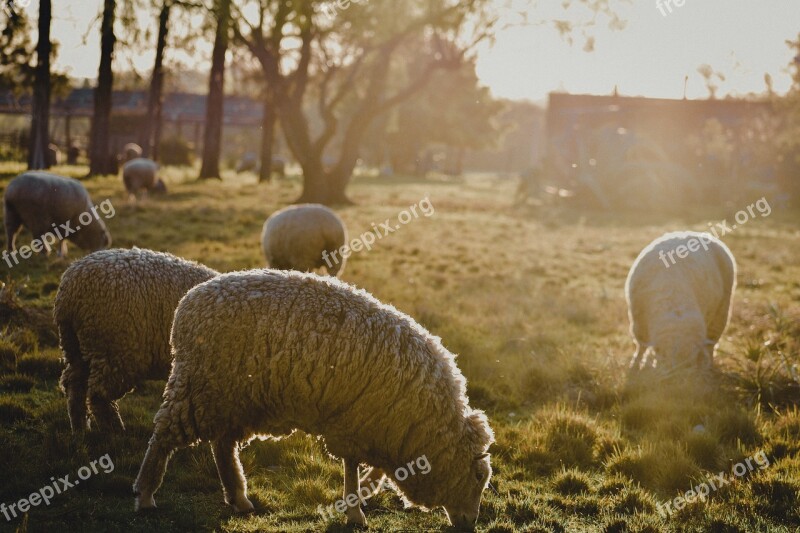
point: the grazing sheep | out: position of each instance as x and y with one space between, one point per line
267 352
248 162
142 175
114 312
52 205
130 152
53 155
301 237
679 292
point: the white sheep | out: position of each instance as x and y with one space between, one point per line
142 175
305 238
53 205
679 292
114 311
268 352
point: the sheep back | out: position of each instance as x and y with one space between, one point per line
119 304
42 201
141 174
682 303
266 352
295 238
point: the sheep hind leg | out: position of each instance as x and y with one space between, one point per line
351 487
231 474
75 380
106 414
375 479
151 473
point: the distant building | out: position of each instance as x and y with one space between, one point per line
183 114
666 122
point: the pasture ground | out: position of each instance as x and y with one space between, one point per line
532 301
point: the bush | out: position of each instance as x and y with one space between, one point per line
9 355
176 151
40 366
11 412
26 339
16 383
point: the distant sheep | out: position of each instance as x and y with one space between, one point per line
53 155
297 237
680 306
45 202
114 311
130 152
142 175
267 352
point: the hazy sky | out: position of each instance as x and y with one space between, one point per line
743 39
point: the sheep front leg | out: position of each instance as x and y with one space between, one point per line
351 490
231 474
106 414
636 360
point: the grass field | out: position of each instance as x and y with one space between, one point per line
531 298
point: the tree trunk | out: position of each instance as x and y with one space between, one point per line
267 139
40 119
151 131
212 145
102 161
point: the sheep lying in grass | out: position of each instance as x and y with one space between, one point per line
142 175
301 237
114 311
679 292
51 207
267 352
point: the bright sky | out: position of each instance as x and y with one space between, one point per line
743 39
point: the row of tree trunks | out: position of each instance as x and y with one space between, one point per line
40 120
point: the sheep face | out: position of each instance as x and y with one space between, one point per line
464 502
684 345
93 237
159 187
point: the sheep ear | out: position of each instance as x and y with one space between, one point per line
481 456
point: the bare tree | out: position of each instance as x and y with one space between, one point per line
151 130
102 161
212 146
40 119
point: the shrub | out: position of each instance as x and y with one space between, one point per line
9 354
16 383
11 412
26 339
571 482
176 151
40 366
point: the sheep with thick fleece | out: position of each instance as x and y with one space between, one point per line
142 175
114 311
301 237
268 352
48 204
679 292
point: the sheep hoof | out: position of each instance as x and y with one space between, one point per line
243 506
355 517
144 504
